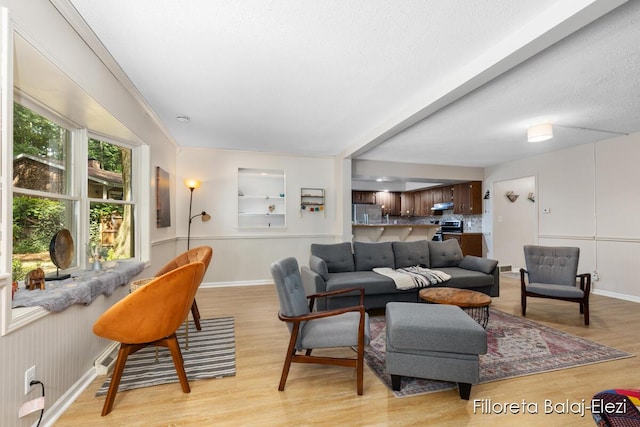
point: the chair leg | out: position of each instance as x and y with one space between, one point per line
123 353
586 313
196 315
291 351
285 370
523 303
178 361
360 367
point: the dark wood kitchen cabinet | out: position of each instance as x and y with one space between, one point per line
365 197
391 202
422 202
467 198
406 204
437 194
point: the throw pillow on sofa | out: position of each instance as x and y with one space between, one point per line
338 256
484 265
368 256
410 254
445 254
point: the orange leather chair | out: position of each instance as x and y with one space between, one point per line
200 254
150 316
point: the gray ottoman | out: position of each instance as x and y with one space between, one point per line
438 342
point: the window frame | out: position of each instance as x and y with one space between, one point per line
13 319
136 160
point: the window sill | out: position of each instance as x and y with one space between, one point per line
82 288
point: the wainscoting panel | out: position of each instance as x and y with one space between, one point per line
62 346
248 258
619 267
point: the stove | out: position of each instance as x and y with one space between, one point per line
450 226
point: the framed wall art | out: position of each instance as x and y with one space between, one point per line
163 201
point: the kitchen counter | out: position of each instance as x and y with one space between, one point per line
383 232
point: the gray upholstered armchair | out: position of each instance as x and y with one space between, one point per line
343 327
552 273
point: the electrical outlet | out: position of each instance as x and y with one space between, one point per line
29 375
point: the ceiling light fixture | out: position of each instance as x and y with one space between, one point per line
183 119
541 132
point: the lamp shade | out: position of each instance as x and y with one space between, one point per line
192 183
541 132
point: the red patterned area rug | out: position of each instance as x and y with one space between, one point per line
516 347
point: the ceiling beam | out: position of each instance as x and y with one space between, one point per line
551 26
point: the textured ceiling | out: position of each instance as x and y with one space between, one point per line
450 83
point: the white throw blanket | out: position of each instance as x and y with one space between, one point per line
413 277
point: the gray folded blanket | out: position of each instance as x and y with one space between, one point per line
413 277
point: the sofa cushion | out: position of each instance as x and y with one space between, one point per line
445 254
475 263
409 254
465 279
368 256
373 283
318 265
338 256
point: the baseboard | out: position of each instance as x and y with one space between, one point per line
615 295
56 410
105 360
232 284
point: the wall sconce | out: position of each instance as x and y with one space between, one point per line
487 195
512 197
539 133
531 197
193 184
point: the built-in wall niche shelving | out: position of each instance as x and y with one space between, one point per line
312 200
261 198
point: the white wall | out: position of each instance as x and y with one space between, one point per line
591 194
62 346
244 255
514 223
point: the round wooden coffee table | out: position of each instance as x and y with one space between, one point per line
476 304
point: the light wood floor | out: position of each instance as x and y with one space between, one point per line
326 396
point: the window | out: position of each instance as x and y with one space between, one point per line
109 179
49 195
43 202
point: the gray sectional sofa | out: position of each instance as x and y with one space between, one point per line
343 265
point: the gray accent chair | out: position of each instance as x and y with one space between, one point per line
343 327
552 272
438 342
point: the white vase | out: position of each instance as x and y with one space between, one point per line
97 265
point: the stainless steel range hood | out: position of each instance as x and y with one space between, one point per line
442 206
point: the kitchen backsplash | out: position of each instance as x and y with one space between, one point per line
472 223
